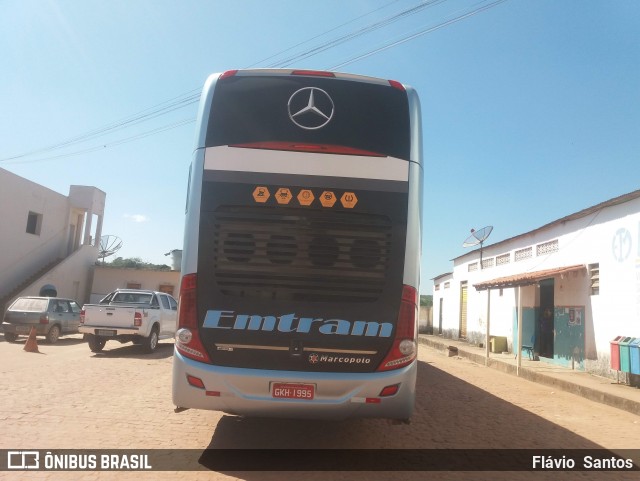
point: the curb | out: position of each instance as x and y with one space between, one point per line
531 375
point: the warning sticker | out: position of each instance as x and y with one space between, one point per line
305 197
283 195
348 200
261 194
328 198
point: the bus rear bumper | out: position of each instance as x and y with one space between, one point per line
249 392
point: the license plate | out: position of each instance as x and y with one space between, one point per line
23 329
292 391
105 332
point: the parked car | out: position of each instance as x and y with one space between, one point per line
51 316
130 315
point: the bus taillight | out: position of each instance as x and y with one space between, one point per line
187 337
313 73
307 148
227 74
405 346
396 85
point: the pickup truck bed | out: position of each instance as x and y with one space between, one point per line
129 315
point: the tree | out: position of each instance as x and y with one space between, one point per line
136 263
426 300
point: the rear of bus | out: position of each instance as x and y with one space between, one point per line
301 251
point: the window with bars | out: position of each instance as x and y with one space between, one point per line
547 248
503 259
447 285
487 263
594 276
437 288
523 254
473 267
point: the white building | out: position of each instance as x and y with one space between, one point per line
47 239
576 281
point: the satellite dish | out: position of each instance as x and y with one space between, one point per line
478 237
109 245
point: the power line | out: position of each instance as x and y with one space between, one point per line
151 113
193 95
358 33
418 34
111 144
321 35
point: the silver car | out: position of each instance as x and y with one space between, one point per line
51 316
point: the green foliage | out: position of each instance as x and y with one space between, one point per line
136 263
426 301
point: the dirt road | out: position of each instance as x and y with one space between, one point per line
69 398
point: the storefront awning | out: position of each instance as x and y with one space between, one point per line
526 278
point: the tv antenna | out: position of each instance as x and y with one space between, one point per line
478 237
109 245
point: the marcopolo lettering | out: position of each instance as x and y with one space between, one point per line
290 323
345 360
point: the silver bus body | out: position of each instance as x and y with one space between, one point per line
291 306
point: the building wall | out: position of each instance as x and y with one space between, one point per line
47 238
72 277
425 319
107 279
608 238
445 307
23 253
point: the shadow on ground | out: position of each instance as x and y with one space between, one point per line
61 342
113 349
450 414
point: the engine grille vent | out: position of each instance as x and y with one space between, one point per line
300 254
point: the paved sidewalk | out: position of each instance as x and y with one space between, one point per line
589 386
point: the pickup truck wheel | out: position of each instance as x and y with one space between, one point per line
151 343
96 344
10 336
53 334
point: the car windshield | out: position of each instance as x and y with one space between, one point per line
30 305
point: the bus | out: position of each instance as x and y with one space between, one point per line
301 255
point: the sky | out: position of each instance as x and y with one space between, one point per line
530 109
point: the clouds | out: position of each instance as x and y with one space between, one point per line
137 218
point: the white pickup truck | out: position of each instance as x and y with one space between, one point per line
142 317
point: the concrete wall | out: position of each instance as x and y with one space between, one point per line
107 279
445 306
24 254
71 278
61 237
425 319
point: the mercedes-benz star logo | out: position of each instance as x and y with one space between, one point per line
310 108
